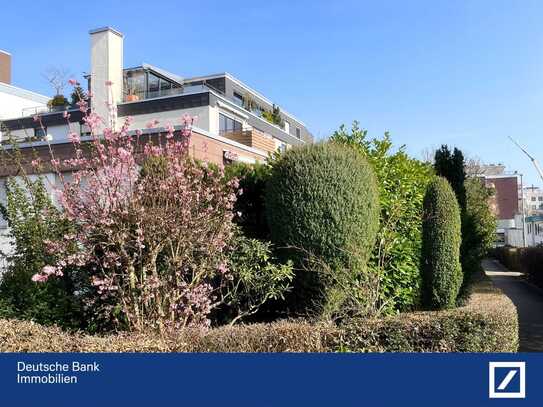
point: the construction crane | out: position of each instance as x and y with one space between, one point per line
534 161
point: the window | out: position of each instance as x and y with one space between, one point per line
85 130
540 198
165 87
287 127
228 125
40 133
533 198
153 85
298 133
238 99
282 148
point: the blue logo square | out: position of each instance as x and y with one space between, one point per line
507 379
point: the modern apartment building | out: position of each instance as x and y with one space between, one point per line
233 120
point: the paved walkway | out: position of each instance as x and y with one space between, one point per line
529 302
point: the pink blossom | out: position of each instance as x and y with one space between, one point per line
39 278
49 270
72 82
109 83
74 137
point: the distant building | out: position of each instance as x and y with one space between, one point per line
506 203
533 200
534 230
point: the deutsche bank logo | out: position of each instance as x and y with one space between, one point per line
507 380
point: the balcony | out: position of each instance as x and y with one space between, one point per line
252 138
136 96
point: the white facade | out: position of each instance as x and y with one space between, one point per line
17 102
106 67
532 198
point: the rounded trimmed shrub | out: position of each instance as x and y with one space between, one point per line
441 237
322 204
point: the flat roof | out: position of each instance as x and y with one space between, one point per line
23 93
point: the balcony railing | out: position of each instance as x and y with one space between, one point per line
252 138
135 96
32 111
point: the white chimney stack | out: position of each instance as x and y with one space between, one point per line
106 67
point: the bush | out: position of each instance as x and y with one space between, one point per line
527 260
249 210
442 274
531 260
478 228
402 184
509 256
322 200
151 262
256 278
488 323
34 221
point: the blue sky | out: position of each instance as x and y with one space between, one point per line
465 73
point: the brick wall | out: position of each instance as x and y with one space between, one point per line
506 200
201 147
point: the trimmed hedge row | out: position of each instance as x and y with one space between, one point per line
527 260
488 323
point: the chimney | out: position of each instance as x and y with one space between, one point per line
5 67
106 67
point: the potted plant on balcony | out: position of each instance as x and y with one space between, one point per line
273 116
249 103
131 95
58 103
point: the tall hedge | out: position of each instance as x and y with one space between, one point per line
402 184
322 201
441 238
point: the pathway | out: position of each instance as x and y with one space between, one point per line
529 302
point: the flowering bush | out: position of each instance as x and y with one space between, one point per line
33 221
152 225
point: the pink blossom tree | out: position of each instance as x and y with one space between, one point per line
152 223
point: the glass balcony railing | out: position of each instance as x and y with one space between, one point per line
134 96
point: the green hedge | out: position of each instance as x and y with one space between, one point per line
488 323
527 260
441 238
322 201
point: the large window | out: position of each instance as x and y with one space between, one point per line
238 99
153 85
142 84
298 133
228 125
